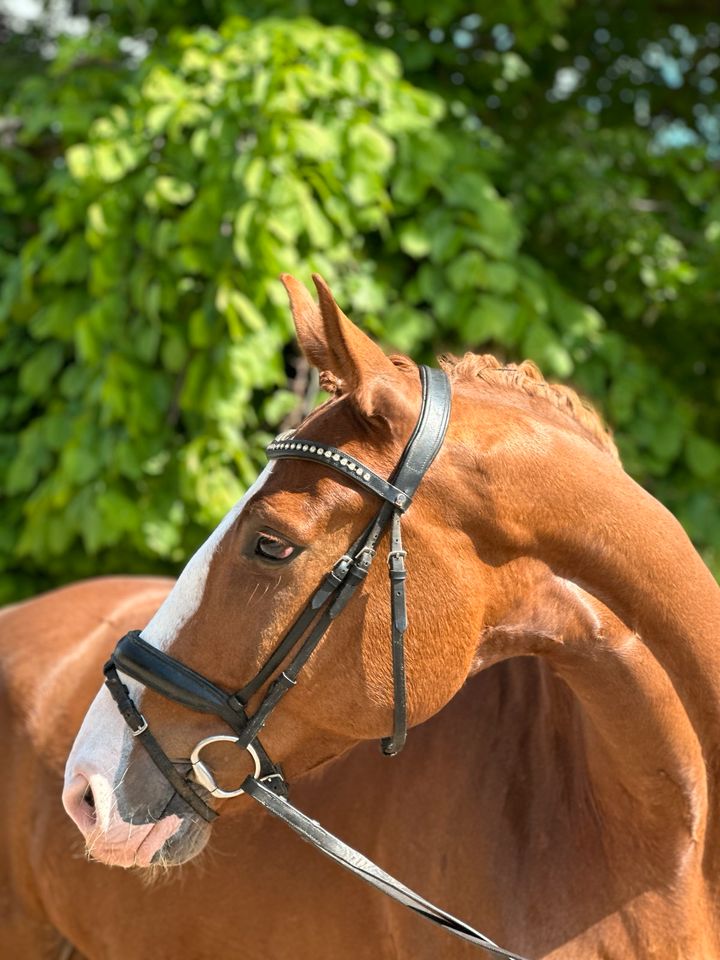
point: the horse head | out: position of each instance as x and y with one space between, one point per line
524 539
251 579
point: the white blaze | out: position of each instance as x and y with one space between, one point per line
103 737
186 596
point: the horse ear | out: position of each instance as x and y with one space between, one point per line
308 323
377 387
331 342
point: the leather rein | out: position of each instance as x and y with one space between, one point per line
136 658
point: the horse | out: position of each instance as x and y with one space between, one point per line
559 785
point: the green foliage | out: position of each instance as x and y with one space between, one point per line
143 322
406 24
149 206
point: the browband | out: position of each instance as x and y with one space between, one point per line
339 460
420 451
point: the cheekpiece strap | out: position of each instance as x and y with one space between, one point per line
420 450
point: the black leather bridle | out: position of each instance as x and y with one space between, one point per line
155 669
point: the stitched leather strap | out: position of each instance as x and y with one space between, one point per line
429 433
330 585
153 668
398 611
141 731
364 868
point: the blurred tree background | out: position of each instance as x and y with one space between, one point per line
529 177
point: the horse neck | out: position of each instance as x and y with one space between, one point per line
561 503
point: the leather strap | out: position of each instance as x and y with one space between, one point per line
341 461
420 451
330 585
153 668
137 723
429 433
286 680
398 611
364 868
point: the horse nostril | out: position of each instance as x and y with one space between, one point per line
88 805
89 799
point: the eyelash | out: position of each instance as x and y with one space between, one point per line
269 538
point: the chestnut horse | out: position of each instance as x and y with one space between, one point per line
559 788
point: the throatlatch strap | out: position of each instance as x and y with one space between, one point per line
420 450
364 868
398 608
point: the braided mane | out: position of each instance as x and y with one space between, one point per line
527 378
524 377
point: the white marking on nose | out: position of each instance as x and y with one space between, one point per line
103 742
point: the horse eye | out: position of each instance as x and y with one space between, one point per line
270 547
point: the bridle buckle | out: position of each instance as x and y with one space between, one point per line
142 728
359 556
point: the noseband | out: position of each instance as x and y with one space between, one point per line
136 658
